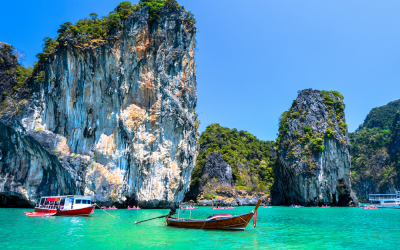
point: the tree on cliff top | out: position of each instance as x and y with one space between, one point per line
106 27
12 77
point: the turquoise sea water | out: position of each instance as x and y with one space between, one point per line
280 227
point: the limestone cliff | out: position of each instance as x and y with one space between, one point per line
28 171
313 152
119 115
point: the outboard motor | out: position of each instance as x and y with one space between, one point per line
172 212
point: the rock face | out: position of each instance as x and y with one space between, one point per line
216 171
313 152
120 116
28 171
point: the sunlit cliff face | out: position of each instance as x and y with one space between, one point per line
313 153
120 116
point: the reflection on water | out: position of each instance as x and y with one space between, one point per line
281 228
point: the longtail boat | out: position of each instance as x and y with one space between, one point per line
69 205
220 221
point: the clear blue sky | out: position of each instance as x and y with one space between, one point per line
254 55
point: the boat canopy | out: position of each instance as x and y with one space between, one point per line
64 202
63 196
384 196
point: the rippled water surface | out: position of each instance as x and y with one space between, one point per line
280 227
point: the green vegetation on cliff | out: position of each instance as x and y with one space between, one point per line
95 28
310 139
250 158
87 31
12 77
381 117
374 161
9 66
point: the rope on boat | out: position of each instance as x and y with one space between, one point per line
203 225
105 211
248 223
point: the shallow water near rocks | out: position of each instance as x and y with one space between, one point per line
280 227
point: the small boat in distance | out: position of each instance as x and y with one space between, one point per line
69 205
219 221
385 200
369 207
188 208
110 208
134 208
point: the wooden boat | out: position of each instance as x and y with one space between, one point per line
69 205
220 221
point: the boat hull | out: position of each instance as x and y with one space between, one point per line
388 206
73 212
238 222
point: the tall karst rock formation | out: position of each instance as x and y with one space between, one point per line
313 152
116 116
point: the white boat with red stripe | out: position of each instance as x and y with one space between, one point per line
69 205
